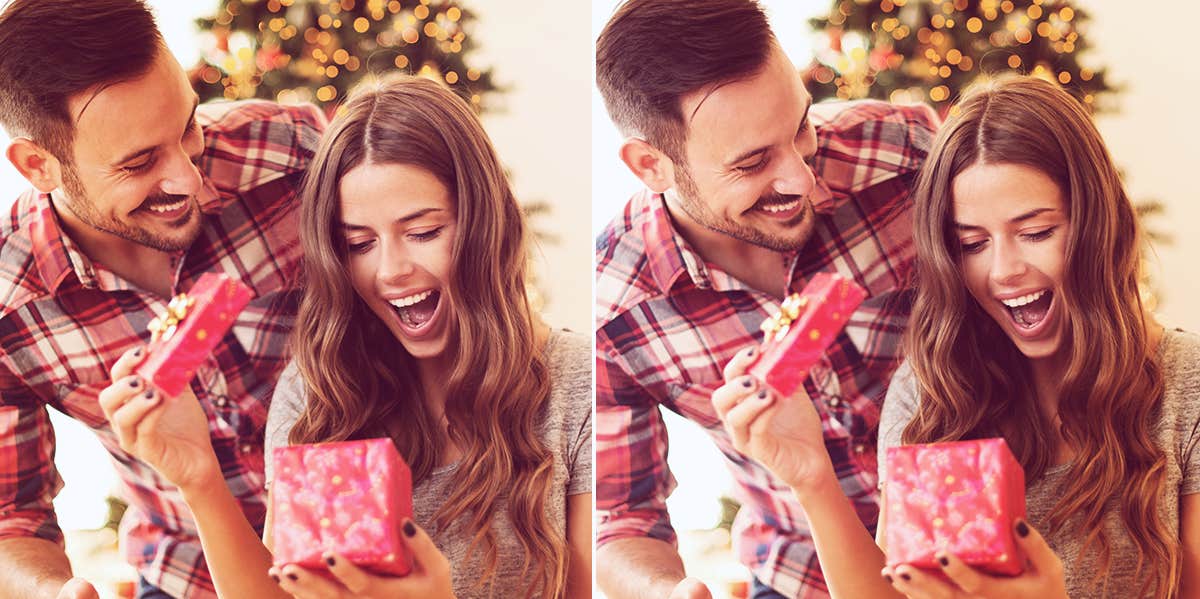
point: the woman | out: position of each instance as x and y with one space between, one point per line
1027 325
414 325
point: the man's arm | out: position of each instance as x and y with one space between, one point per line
34 562
635 553
645 568
38 569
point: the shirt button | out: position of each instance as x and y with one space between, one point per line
247 448
859 448
834 402
222 401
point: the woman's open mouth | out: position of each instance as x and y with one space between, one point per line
417 312
1029 312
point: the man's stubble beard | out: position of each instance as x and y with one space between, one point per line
85 210
688 195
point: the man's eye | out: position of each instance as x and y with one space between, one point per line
753 168
137 168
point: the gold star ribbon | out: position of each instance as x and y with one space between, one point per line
164 325
777 326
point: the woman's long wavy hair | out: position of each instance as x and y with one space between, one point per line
975 383
361 382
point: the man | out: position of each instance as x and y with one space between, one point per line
750 191
137 192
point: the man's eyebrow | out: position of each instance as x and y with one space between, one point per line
744 156
143 151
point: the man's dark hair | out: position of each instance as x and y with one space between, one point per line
51 50
653 52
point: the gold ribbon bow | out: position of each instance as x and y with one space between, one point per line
163 326
776 327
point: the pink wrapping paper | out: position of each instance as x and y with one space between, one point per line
808 322
193 325
348 497
961 497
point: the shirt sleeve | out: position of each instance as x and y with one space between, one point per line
633 480
899 407
28 479
286 405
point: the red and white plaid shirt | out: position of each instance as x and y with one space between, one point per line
667 322
65 319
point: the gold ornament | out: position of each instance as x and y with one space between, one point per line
776 327
164 325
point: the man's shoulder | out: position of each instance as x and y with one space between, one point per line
241 116
854 118
19 284
623 276
252 141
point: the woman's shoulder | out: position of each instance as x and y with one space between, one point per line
569 359
1181 361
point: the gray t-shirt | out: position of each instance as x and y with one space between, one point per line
566 431
1176 432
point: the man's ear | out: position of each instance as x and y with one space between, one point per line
35 163
649 164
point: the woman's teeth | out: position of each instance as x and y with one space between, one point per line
1017 302
404 302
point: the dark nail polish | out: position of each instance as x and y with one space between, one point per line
747 382
906 577
134 382
293 577
887 578
137 352
409 529
149 394
1022 529
750 352
330 561
943 561
762 394
275 577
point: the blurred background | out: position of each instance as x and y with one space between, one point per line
1125 60
523 66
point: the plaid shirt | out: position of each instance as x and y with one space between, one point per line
65 319
668 322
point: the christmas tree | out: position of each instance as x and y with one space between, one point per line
929 50
317 50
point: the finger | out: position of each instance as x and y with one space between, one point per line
690 588
127 362
1036 550
352 577
126 420
77 588
739 419
305 584
740 362
732 393
919 585
427 557
119 393
967 578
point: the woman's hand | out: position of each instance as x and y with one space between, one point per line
168 433
1043 576
781 433
430 576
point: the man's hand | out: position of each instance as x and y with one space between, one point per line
78 588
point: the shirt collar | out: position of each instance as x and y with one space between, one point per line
56 255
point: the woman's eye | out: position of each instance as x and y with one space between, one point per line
427 235
360 247
1042 235
973 247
